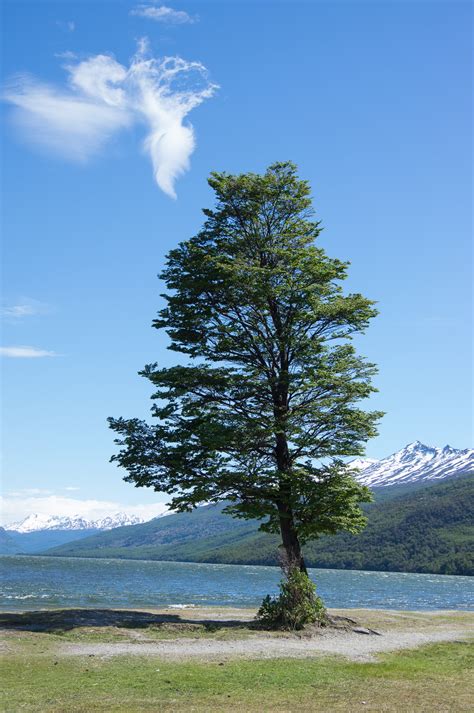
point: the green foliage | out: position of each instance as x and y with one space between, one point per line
265 407
296 606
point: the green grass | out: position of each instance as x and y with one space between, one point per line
36 677
435 678
109 625
159 632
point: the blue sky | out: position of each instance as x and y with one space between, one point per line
371 100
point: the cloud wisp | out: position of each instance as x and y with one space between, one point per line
66 25
18 311
25 307
25 353
164 14
103 97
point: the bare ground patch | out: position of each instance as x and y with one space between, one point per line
211 634
351 645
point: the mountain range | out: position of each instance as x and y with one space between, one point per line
37 533
35 522
415 463
392 540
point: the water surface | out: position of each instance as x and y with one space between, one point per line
49 582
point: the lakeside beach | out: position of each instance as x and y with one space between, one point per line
213 658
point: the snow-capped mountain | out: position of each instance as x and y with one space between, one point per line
414 463
36 522
363 463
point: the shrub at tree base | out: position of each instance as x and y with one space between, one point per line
295 607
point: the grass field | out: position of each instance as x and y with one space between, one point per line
37 678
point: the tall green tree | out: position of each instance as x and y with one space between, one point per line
265 407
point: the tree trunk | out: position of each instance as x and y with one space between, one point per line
288 531
290 540
289 536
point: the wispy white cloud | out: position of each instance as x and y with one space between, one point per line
66 25
66 55
24 307
25 352
162 13
72 125
17 506
18 311
104 96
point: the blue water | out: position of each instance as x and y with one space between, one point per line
49 582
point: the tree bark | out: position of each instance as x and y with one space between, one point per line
289 535
288 530
290 540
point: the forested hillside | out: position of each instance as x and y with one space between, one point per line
426 529
7 544
37 542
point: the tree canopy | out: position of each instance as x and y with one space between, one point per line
265 407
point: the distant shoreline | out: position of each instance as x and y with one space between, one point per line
224 564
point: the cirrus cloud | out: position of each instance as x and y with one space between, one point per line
103 97
25 352
162 13
25 307
66 26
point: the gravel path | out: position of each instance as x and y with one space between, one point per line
352 645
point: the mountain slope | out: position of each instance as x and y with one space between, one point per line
205 523
427 530
36 542
413 464
8 546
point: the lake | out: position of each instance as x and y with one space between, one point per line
49 582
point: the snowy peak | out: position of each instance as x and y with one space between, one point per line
36 522
362 463
416 446
416 462
120 519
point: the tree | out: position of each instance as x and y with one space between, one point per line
264 409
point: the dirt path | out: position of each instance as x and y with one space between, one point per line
219 633
355 646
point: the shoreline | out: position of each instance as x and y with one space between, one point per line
189 608
176 608
210 633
